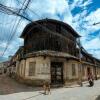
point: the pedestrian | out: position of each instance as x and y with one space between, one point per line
46 87
90 79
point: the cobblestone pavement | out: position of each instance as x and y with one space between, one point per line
9 86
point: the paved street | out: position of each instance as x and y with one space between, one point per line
11 90
9 86
98 98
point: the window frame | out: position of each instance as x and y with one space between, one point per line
73 70
32 68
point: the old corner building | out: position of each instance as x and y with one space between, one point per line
51 52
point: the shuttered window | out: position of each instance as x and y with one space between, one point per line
83 70
73 70
32 68
21 69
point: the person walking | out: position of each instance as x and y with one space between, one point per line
46 87
90 79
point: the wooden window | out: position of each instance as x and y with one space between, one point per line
83 70
21 69
73 70
17 70
32 68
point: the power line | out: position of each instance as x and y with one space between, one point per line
2 30
30 9
45 28
16 25
10 37
7 10
15 19
96 23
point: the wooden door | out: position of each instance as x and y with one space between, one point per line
56 73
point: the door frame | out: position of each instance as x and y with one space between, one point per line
62 73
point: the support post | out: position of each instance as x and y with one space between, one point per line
95 69
80 65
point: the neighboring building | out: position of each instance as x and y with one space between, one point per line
53 55
3 67
14 61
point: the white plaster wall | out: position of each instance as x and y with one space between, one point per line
98 72
42 68
21 68
17 67
92 71
43 64
65 70
85 71
69 69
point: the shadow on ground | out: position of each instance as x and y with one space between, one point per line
10 86
98 98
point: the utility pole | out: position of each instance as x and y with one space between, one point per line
95 69
80 65
10 11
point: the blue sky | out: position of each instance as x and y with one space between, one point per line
80 14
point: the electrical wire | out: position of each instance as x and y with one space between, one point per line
44 27
15 27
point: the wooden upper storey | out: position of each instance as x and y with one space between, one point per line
49 34
52 25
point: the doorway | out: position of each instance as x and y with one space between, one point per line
88 71
56 72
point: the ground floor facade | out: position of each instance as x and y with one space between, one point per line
55 70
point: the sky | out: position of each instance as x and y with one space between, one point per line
80 14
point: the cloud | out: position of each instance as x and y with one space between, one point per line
50 8
56 9
83 22
93 44
3 59
7 30
2 45
85 3
92 18
47 8
80 3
